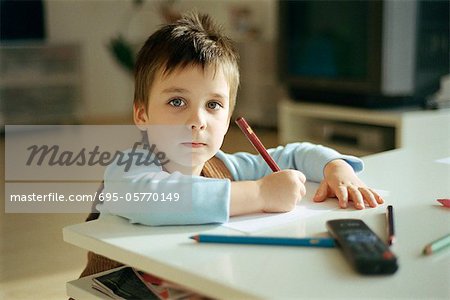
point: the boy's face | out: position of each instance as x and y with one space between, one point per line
197 101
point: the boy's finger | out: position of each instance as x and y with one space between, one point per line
379 199
302 177
356 197
302 190
369 197
342 195
321 193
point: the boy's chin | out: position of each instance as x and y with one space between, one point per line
191 161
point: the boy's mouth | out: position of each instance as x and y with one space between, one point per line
194 144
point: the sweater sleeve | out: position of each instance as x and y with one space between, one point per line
150 196
305 157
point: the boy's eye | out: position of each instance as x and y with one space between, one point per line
214 105
177 102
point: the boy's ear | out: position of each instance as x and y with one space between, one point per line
140 116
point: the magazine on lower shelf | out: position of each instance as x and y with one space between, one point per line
129 283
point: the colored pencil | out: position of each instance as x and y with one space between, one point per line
253 138
437 245
264 240
390 224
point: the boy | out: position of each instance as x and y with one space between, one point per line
187 75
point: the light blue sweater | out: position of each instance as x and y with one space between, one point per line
148 195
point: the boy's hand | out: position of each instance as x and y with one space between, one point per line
341 181
281 190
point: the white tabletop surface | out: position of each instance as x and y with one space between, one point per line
413 180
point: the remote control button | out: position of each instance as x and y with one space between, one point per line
388 255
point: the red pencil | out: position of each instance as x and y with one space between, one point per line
251 136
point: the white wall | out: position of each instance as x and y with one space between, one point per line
107 88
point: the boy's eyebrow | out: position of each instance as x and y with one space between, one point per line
181 90
217 95
175 90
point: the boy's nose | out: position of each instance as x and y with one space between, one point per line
197 121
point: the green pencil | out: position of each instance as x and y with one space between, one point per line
437 245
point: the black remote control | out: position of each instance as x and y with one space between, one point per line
362 247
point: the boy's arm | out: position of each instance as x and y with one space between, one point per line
305 157
244 198
143 197
201 200
265 194
336 172
341 182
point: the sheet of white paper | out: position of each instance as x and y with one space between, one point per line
258 222
445 160
304 209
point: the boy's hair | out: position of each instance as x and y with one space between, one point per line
193 40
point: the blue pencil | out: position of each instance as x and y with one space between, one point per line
264 240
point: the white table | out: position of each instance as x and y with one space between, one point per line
412 177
